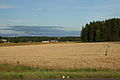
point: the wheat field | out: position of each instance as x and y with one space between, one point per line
104 55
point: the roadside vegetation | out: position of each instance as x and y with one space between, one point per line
26 72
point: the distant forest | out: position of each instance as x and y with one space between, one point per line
39 39
108 30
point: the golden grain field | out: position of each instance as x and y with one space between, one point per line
104 55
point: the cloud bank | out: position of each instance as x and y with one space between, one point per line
51 31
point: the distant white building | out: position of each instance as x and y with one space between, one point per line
3 41
45 41
52 41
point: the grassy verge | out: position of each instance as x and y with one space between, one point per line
25 72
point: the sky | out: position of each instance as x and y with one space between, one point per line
53 17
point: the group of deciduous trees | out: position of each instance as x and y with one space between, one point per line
108 30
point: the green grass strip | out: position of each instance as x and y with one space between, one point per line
25 72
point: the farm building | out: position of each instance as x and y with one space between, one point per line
3 41
45 41
52 41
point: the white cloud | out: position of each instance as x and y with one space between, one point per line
6 6
11 21
10 32
4 26
15 21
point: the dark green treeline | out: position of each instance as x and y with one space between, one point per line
40 39
108 30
